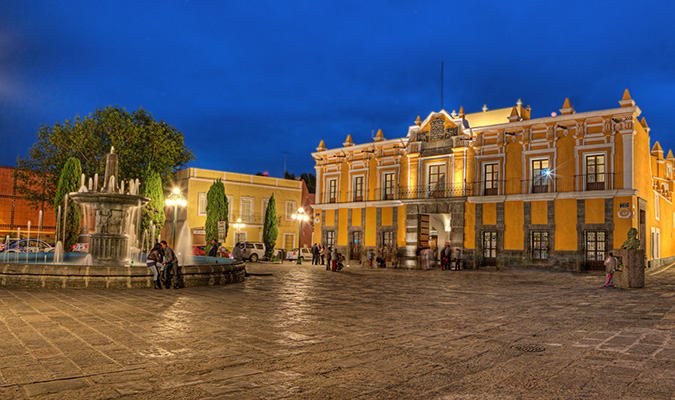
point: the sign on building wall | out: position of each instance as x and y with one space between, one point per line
221 231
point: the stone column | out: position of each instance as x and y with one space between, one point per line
633 273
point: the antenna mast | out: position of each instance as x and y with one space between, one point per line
442 62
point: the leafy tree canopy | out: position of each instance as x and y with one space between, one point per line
144 145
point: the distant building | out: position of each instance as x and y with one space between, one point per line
248 196
557 192
16 212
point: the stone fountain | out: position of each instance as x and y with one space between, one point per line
109 244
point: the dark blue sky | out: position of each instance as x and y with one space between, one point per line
245 81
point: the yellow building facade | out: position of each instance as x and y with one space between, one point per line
558 192
248 197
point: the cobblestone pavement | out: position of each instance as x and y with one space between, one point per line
306 333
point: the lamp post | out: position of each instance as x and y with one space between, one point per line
175 199
238 227
300 216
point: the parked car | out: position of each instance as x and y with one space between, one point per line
82 245
306 254
28 246
199 250
224 252
253 251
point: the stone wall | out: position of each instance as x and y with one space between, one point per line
43 276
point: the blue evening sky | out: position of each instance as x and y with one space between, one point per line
246 81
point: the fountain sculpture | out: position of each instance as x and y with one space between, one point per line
109 244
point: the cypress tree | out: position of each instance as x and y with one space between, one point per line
216 210
270 231
69 181
151 187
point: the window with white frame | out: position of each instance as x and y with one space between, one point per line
240 236
357 188
669 170
263 209
247 210
595 172
541 175
289 241
657 210
389 184
490 179
290 209
230 207
436 182
202 204
331 193
656 243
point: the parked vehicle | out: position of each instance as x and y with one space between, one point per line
82 245
224 252
199 250
253 251
26 246
306 254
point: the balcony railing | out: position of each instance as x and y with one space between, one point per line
549 184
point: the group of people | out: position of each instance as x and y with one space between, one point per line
328 256
380 260
318 254
163 263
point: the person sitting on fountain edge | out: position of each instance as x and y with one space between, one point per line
171 263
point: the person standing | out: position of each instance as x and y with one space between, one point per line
322 250
213 251
328 258
445 257
171 265
315 254
458 259
334 259
370 258
154 258
610 267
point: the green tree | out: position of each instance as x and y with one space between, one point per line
310 181
216 210
142 143
69 181
153 211
270 231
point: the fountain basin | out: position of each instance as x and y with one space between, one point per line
205 271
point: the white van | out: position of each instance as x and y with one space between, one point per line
252 251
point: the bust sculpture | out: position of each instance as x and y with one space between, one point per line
632 243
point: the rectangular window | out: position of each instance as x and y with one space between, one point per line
539 245
541 175
230 207
595 172
657 210
240 236
596 246
669 170
202 204
388 239
389 186
263 209
246 210
358 188
290 209
332 191
436 181
490 179
490 245
330 238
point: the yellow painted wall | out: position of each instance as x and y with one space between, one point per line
469 225
489 214
342 236
622 225
387 216
513 167
595 211
401 226
566 224
539 212
356 217
370 238
642 160
513 225
565 171
330 217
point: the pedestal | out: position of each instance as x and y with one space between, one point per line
633 273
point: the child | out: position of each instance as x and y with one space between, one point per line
610 267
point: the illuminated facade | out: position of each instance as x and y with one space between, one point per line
557 193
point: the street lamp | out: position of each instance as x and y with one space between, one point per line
237 227
175 199
300 216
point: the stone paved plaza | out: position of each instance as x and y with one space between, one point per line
305 333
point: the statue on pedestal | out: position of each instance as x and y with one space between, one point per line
632 243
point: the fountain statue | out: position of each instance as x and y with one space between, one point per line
109 244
